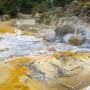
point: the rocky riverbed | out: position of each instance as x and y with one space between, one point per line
34 55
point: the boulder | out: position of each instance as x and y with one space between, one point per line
67 37
5 17
62 30
37 18
50 36
73 40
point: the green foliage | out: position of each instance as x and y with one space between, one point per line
61 2
12 7
8 7
40 7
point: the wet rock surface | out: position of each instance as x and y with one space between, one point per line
45 60
45 71
60 39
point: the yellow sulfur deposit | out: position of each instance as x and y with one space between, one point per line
14 75
6 28
27 33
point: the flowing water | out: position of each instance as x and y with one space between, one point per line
12 45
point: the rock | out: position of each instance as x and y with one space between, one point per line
5 17
37 18
51 49
86 18
67 37
61 31
50 36
73 40
24 16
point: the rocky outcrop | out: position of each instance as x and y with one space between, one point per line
64 29
68 71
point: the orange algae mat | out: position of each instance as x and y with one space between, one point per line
6 27
13 75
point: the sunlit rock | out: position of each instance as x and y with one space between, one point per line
37 18
68 71
50 36
6 28
62 30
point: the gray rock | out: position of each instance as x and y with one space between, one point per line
37 18
61 31
50 36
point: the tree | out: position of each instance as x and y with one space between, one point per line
12 7
61 2
9 7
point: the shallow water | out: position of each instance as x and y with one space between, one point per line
12 45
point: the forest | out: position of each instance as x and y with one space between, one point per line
12 7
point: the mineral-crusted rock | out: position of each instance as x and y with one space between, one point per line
63 30
69 71
73 40
50 36
60 31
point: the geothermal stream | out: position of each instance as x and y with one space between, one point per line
18 44
12 45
